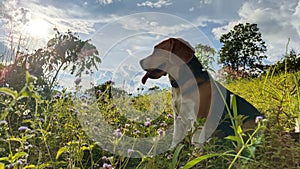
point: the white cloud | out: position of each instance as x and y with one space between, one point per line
157 4
277 21
205 2
105 2
74 18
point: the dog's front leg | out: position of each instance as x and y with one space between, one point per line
184 120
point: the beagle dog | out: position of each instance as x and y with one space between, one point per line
194 94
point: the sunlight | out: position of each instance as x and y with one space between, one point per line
38 28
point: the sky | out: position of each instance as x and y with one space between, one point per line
125 31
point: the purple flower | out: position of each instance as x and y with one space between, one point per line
3 122
99 92
117 133
41 119
107 166
160 132
163 124
258 118
137 132
170 115
9 166
19 162
104 158
23 128
130 151
147 123
57 96
178 117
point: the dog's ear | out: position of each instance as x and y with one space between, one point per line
180 49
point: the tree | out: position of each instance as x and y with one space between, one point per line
205 54
65 51
289 63
243 48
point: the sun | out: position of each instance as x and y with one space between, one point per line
38 28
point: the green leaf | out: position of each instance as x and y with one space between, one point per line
4 159
233 138
9 92
2 166
176 154
199 159
15 139
30 166
239 129
60 151
18 155
233 105
28 76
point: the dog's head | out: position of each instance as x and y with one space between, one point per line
166 55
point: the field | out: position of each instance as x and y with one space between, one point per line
55 133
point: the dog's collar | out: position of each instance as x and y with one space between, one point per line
196 68
174 84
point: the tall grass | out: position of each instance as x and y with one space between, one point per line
37 133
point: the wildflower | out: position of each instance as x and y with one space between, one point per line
117 133
137 132
107 166
9 166
3 122
130 151
57 96
169 115
30 146
163 124
41 119
147 123
19 162
160 132
26 112
23 128
21 106
127 125
99 92
178 117
258 118
104 158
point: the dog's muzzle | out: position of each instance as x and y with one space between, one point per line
153 73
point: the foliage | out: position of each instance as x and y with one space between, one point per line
41 133
289 63
205 54
65 51
278 97
243 48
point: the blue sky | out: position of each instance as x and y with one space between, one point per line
125 31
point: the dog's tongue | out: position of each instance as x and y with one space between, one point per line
146 76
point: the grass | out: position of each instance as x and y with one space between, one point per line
42 133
